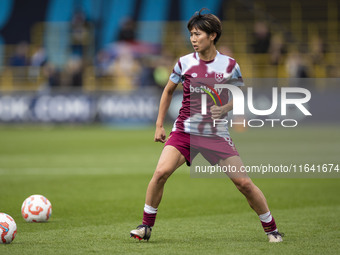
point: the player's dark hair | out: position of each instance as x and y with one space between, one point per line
208 23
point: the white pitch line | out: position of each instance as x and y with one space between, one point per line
67 171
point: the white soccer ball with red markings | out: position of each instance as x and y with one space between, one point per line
36 208
8 228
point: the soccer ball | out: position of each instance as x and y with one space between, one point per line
36 208
8 228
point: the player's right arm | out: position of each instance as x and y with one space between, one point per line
160 135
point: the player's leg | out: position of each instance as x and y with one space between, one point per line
254 196
169 161
244 184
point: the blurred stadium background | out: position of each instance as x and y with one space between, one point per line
107 60
68 64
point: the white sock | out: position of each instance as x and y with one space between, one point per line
266 217
149 209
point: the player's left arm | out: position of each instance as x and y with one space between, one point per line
218 111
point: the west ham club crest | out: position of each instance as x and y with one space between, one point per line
219 77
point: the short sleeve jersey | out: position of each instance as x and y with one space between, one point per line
199 77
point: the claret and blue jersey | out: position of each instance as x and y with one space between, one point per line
199 77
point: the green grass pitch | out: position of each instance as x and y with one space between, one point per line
96 179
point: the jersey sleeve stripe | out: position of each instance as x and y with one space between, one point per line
232 63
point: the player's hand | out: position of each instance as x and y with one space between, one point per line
160 135
216 112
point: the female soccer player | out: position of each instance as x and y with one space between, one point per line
193 131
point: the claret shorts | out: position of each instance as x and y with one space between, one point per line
212 148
